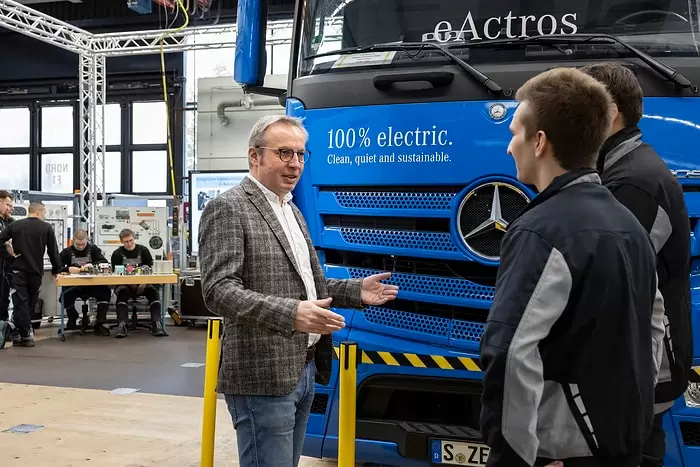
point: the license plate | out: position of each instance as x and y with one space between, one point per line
458 453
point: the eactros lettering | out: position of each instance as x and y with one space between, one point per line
496 26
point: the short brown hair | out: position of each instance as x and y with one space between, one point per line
36 206
573 109
623 86
6 194
125 233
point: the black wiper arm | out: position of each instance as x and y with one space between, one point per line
405 46
662 69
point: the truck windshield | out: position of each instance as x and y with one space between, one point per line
661 28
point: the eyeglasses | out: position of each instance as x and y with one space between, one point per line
286 154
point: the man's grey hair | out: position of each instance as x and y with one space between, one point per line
257 134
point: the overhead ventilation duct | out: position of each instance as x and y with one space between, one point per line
248 102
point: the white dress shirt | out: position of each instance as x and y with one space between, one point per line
296 240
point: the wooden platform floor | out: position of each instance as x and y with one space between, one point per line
66 389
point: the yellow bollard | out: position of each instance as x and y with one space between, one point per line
348 403
211 371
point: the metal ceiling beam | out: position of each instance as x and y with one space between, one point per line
24 20
196 38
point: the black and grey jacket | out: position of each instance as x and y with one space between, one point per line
139 256
640 180
72 257
569 352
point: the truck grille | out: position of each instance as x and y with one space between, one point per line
407 200
445 327
397 240
444 293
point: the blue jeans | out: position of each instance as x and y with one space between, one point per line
270 430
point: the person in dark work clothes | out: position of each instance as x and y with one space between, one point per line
79 254
6 207
132 253
31 237
639 179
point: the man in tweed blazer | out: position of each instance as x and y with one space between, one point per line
260 273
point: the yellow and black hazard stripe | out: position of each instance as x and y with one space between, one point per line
443 362
695 375
374 357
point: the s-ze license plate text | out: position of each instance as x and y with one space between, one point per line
458 453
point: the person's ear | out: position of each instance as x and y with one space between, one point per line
541 143
616 118
252 155
614 112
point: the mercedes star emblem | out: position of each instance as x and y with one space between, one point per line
497 111
495 220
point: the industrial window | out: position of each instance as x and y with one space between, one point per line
57 127
15 171
191 140
149 125
280 59
113 124
270 50
113 169
15 142
149 172
148 149
208 63
15 126
57 173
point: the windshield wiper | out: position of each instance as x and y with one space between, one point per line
406 46
668 73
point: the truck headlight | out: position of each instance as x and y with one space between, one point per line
692 395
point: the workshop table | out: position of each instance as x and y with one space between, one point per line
86 280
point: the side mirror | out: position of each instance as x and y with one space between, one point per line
251 57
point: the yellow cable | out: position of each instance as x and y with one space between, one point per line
165 94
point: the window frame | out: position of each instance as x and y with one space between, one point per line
125 99
27 150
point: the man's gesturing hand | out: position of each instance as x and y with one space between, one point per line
376 293
313 316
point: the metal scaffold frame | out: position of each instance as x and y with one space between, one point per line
93 50
93 97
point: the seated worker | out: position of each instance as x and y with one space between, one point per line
73 258
131 253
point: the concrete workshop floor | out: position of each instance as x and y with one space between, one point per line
66 388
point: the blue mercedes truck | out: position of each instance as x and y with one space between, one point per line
408 103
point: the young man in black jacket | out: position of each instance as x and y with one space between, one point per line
31 238
640 180
79 254
570 351
134 254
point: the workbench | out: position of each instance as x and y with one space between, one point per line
113 280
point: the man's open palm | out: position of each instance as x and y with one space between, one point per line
376 293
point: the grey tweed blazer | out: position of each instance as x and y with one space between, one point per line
250 278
